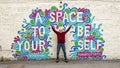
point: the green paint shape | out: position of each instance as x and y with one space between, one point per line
60 6
101 38
41 36
82 39
74 11
53 8
60 24
18 52
79 32
42 13
22 29
67 11
28 40
90 15
94 33
46 50
87 19
82 50
28 33
101 50
19 58
102 30
27 28
42 50
30 49
76 43
90 58
65 15
12 51
22 35
98 36
47 23
50 38
93 58
32 22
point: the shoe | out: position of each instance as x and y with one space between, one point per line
66 61
57 60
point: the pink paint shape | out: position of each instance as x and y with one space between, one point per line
16 39
89 54
24 57
35 13
91 37
82 10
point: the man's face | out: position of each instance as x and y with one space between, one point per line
60 30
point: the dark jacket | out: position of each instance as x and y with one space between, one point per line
61 36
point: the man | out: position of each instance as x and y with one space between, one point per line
61 42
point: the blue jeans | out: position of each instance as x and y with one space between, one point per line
59 45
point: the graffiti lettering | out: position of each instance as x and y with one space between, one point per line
56 16
34 40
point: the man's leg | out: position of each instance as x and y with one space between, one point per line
58 50
64 51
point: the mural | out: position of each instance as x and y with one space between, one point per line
34 40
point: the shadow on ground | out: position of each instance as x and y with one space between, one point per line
53 64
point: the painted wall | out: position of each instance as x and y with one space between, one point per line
14 16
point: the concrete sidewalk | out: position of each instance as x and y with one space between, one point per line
61 64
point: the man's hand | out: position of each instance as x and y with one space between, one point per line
51 26
53 29
70 26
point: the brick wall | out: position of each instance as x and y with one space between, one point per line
106 12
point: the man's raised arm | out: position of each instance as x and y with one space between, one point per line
53 29
68 29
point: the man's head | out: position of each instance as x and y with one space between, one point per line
60 30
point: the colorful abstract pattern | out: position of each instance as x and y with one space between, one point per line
34 40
